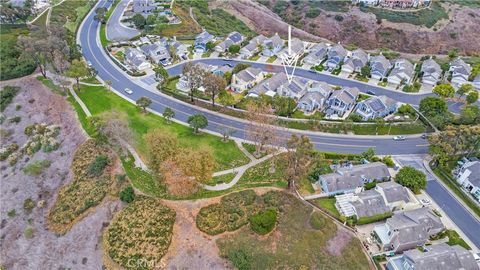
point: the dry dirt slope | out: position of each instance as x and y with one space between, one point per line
77 249
363 29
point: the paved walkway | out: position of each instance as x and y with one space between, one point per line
239 170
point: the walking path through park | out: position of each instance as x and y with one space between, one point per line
239 170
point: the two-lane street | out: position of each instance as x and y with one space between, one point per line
93 52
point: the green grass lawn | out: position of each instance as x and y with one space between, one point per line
81 12
90 80
328 204
254 58
453 238
226 178
41 21
103 32
272 59
261 173
99 100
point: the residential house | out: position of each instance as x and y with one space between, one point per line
183 83
366 2
375 107
335 56
220 71
379 67
297 47
201 41
396 196
272 46
246 79
387 197
342 101
157 52
408 229
315 98
317 55
294 89
403 72
468 176
356 61
180 49
349 178
460 72
476 82
136 59
439 256
403 3
252 47
369 203
431 72
144 7
233 38
269 86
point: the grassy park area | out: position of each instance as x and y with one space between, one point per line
99 100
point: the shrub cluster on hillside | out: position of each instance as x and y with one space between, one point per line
92 181
238 209
141 232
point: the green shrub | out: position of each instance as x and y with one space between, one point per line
29 232
28 204
29 130
6 96
16 119
388 161
127 195
97 166
36 168
263 222
240 259
12 213
370 185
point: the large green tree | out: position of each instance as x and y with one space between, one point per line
197 121
472 97
284 106
464 89
214 85
411 178
444 90
454 141
297 158
144 102
436 110
139 21
78 69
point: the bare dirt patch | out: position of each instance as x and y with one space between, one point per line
190 247
77 249
337 243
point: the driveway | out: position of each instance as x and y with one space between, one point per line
461 216
117 31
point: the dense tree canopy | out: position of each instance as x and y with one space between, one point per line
412 178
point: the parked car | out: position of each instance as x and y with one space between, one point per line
128 91
399 138
425 202
370 92
89 64
424 136
312 71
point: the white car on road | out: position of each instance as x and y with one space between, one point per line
399 138
128 91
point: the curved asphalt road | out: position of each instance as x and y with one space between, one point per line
107 70
116 31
